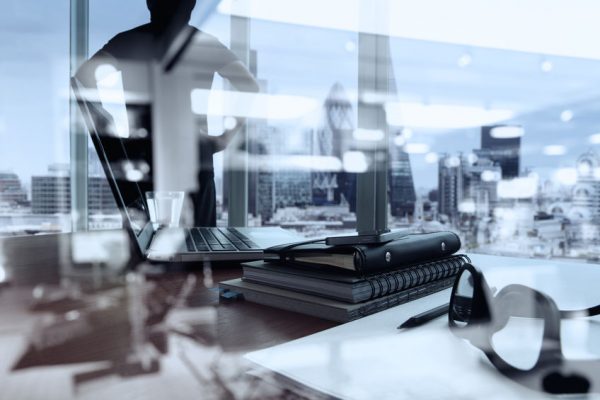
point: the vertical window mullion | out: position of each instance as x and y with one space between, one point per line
79 43
374 69
236 158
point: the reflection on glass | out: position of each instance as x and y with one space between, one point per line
519 342
463 300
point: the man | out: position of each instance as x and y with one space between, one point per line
164 45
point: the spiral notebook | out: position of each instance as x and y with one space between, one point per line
347 287
322 307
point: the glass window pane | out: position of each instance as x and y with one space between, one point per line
501 147
153 135
34 117
299 151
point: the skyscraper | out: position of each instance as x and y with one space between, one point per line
450 185
501 149
586 192
51 193
11 191
402 189
331 141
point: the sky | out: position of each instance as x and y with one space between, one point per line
298 60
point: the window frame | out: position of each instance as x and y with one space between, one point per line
373 75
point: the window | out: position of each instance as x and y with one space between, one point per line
34 117
501 139
297 176
363 115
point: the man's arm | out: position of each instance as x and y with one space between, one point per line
239 76
242 80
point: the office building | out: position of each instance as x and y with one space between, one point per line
402 188
586 192
480 186
450 184
11 190
331 140
505 151
292 188
51 193
261 200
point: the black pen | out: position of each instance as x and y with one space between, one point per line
426 316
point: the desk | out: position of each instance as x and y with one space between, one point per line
370 359
194 346
100 359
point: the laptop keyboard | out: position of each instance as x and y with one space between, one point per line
217 239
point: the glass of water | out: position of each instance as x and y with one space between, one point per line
165 208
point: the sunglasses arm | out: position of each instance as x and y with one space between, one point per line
588 312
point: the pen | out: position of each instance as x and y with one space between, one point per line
424 317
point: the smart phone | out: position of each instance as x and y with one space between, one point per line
367 238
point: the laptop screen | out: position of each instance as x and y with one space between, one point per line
125 160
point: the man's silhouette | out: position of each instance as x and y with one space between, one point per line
138 53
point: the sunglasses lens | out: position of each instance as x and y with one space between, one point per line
519 336
463 299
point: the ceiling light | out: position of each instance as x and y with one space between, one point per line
416 148
490 176
350 46
555 150
431 158
507 132
566 176
472 158
251 105
566 116
443 116
452 162
465 60
595 138
369 135
546 66
518 188
399 141
355 162
229 123
407 133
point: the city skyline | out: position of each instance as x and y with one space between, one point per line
564 117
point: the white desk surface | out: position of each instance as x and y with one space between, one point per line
370 359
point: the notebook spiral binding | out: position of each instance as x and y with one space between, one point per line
415 275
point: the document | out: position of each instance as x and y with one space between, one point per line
369 359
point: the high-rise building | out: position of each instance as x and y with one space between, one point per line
467 187
11 190
261 200
586 192
402 189
331 140
501 149
450 184
480 182
51 194
273 187
293 188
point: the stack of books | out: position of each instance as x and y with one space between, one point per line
343 283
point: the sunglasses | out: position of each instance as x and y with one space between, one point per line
518 329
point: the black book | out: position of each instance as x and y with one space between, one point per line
365 259
322 307
350 288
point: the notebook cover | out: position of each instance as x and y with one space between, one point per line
323 307
346 287
371 259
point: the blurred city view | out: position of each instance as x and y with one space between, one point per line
498 145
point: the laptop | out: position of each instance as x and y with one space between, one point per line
165 244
